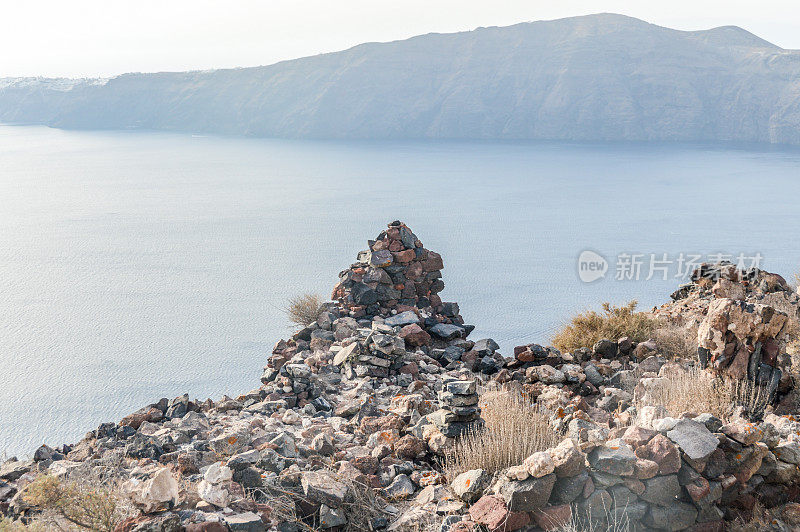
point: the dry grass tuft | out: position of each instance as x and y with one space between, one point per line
304 309
696 390
83 505
676 341
585 329
615 520
361 505
515 428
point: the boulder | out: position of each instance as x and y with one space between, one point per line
491 511
676 516
469 486
321 487
614 457
693 438
527 495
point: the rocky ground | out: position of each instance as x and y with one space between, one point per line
359 414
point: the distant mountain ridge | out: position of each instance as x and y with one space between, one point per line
596 77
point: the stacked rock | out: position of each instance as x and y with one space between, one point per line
380 352
290 377
744 318
397 273
744 341
459 410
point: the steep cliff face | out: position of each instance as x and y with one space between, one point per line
598 77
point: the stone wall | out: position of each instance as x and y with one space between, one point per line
682 474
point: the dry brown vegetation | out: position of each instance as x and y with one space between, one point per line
586 328
674 340
615 521
514 429
85 506
7 525
304 309
695 390
361 505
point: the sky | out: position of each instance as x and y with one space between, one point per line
101 38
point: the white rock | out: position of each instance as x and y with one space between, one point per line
217 473
540 464
291 417
216 495
157 493
160 490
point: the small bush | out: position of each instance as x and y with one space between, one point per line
614 520
585 329
84 506
514 429
7 525
695 390
304 309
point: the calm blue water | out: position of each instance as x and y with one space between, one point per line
140 265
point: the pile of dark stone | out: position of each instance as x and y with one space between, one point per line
290 379
459 412
398 279
377 355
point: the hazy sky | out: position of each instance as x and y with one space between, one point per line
79 38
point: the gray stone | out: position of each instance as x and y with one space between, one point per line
403 318
400 488
662 490
615 458
461 387
381 258
331 517
567 489
712 423
592 375
527 495
595 507
323 488
622 496
676 516
447 331
628 516
12 469
693 438
788 452
486 345
245 522
606 348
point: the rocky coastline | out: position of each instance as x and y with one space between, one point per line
359 415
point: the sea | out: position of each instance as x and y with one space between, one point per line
138 265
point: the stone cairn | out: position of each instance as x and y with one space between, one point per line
741 336
459 410
398 273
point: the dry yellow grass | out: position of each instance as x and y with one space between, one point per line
585 329
674 340
514 429
304 309
698 391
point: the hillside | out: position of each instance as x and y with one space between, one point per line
381 414
597 77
